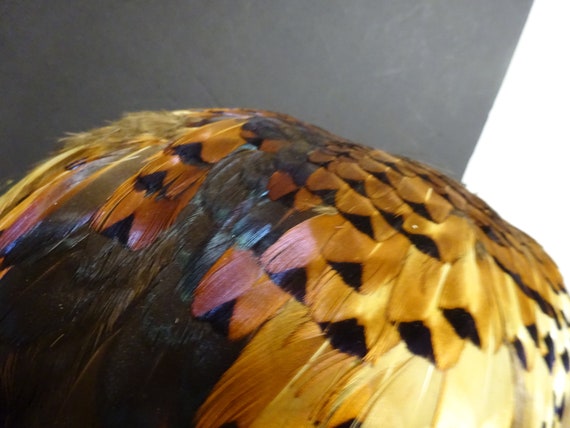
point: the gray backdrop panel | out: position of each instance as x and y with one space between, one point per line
413 77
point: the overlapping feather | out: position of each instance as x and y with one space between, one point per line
276 275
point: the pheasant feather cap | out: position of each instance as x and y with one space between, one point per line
240 268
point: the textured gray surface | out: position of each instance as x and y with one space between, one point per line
415 78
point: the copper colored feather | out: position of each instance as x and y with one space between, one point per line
236 268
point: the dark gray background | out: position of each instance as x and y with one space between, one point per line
413 77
